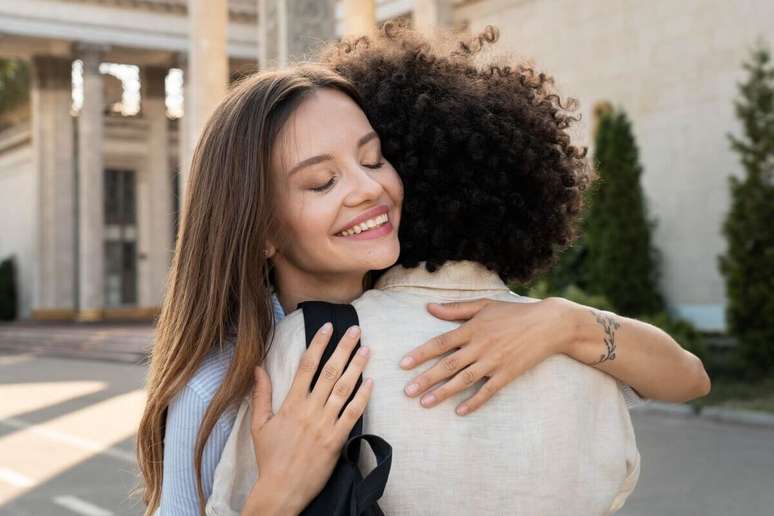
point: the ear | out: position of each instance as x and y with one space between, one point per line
269 250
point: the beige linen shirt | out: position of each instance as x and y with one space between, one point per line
558 440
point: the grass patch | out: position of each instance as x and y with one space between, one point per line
739 394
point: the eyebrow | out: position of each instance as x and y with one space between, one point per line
325 157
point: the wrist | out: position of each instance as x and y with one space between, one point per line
571 330
593 335
267 499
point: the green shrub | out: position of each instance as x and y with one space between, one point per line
748 263
7 290
621 263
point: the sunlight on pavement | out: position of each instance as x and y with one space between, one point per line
19 398
34 454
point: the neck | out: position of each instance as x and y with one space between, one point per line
294 287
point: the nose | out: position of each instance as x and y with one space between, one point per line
363 187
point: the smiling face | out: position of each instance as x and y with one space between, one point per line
339 200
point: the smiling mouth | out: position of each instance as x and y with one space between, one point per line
367 225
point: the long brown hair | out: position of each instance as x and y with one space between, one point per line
218 286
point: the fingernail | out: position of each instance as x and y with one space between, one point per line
407 362
363 351
428 400
412 389
326 328
462 410
353 331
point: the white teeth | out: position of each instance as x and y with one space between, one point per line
365 226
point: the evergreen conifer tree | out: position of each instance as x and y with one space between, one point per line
748 263
620 262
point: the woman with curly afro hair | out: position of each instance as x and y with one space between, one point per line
493 187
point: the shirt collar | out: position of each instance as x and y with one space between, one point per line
462 275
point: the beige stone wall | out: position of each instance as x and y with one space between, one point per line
18 216
673 67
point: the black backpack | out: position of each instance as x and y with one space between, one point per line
347 492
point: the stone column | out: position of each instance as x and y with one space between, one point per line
91 216
184 145
155 191
359 17
207 74
290 30
432 14
53 155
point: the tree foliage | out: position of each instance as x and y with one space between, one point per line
748 263
14 83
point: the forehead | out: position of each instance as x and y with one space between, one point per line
326 122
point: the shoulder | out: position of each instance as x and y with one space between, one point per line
208 378
190 404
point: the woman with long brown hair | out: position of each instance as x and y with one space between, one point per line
291 154
218 313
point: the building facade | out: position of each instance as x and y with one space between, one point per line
88 200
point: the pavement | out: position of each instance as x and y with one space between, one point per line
67 436
126 342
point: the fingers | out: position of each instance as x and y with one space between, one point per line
346 384
261 399
462 310
447 367
436 347
307 367
483 395
461 381
334 367
354 410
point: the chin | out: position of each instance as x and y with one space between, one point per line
384 259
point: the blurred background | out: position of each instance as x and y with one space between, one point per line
101 103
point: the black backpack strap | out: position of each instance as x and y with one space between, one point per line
367 490
317 313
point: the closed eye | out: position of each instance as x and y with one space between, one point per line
324 187
374 165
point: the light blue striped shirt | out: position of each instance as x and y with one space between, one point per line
185 414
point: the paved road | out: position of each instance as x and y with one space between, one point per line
67 436
695 467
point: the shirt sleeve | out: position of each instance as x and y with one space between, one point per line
178 491
631 397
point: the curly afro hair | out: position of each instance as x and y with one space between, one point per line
489 172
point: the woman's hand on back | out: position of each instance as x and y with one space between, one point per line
297 448
498 342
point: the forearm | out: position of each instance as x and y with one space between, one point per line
638 354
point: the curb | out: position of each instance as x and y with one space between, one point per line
722 414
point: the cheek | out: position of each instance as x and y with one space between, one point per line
305 225
393 186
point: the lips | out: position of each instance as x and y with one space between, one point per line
369 214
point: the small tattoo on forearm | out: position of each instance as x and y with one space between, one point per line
609 324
